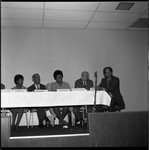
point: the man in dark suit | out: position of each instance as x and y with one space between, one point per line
83 82
111 85
41 113
2 86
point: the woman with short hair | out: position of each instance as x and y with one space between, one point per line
18 80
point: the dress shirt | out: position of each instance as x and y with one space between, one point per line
37 86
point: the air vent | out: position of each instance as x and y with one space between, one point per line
124 6
141 23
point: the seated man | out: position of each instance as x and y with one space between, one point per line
2 86
111 85
60 84
83 82
18 79
41 113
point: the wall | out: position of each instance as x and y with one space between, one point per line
28 51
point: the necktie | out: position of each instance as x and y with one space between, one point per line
84 84
38 87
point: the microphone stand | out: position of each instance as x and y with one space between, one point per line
94 108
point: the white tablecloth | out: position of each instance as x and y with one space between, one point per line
49 99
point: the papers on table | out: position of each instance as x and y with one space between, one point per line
6 90
79 89
40 90
13 90
60 90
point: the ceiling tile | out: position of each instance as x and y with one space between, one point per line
141 23
139 7
107 6
68 15
64 25
21 23
37 5
103 25
72 5
145 15
115 17
142 29
124 6
111 6
71 15
21 13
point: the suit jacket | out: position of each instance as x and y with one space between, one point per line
114 89
2 86
79 84
32 87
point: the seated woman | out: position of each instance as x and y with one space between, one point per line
111 85
59 84
18 80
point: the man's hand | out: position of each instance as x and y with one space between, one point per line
110 95
103 89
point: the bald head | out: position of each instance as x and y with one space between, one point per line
84 75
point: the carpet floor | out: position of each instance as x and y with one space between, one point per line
56 130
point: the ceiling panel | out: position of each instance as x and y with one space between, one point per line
21 13
115 17
68 15
135 28
72 5
37 5
110 6
145 15
21 23
103 25
107 6
139 7
77 15
64 24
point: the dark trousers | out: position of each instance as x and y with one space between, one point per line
114 106
61 114
41 115
14 114
78 114
100 108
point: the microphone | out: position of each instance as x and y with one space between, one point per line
94 107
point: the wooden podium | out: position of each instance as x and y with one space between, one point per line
117 129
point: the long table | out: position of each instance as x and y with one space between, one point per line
50 99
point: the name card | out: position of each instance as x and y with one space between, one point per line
40 90
60 90
79 89
6 90
19 90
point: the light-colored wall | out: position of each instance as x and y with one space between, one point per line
28 51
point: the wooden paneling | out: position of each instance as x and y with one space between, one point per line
5 130
51 142
124 129
119 129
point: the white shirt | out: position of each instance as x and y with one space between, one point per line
37 86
